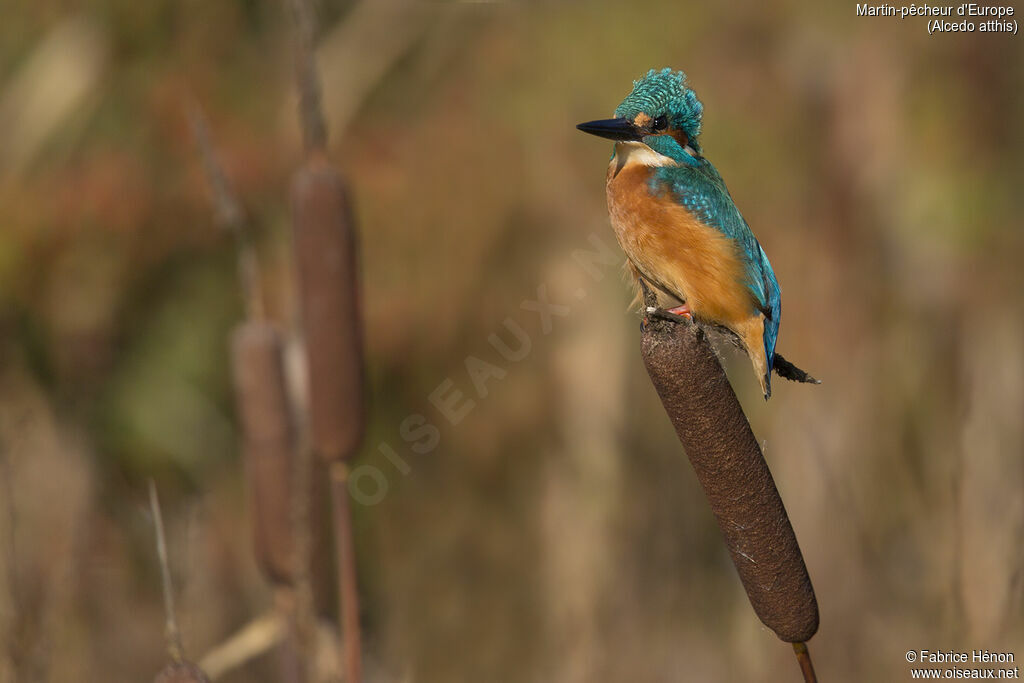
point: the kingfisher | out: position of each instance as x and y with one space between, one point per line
677 223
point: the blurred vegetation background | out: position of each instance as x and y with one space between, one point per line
556 533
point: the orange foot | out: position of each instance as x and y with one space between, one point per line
683 310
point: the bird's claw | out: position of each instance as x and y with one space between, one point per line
676 315
663 314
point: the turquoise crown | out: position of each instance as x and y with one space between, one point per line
665 92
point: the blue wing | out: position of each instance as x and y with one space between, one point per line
701 189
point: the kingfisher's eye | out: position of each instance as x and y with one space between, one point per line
659 123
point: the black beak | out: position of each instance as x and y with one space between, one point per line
613 129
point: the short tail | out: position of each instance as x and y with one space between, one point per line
786 370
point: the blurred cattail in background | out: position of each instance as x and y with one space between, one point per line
269 449
325 265
324 239
279 490
280 477
269 442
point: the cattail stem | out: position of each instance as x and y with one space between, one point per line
230 215
803 657
727 460
324 238
292 661
348 592
314 128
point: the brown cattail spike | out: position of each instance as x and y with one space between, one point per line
268 443
325 261
728 462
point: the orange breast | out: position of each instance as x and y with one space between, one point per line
669 245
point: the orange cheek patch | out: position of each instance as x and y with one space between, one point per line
641 120
679 136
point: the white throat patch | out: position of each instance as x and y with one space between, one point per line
629 153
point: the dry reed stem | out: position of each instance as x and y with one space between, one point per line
179 670
174 645
728 462
249 642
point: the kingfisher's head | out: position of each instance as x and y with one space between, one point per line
661 112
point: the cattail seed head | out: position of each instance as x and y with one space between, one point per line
728 462
268 443
327 271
